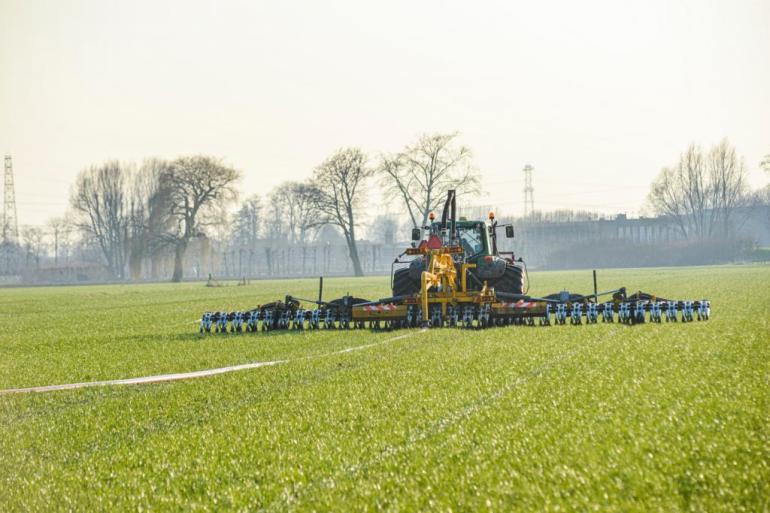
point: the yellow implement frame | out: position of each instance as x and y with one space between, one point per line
442 274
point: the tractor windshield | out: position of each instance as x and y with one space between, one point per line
472 238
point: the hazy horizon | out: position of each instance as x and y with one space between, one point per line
596 96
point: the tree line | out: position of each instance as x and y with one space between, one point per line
132 213
704 189
125 215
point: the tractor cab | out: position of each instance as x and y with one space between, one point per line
472 236
476 238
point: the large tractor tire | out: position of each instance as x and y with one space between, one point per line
512 280
403 284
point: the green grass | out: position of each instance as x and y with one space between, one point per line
605 417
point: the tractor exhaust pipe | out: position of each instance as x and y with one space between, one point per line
450 210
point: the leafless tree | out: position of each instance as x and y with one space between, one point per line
761 197
701 192
340 180
299 207
100 201
274 220
421 174
765 164
245 233
247 221
197 189
33 239
667 198
383 229
149 205
727 186
60 229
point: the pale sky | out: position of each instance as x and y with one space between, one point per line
597 96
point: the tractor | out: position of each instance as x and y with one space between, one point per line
478 239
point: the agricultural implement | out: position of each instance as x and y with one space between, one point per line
457 277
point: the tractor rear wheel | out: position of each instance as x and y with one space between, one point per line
403 285
512 280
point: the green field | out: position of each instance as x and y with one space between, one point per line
606 417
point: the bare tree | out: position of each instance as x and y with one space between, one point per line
34 242
383 229
761 197
149 205
60 229
100 200
197 189
275 217
245 232
765 164
701 192
421 174
727 186
667 199
67 238
340 180
247 221
299 206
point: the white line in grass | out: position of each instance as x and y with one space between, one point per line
162 378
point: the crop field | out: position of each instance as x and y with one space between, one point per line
671 417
